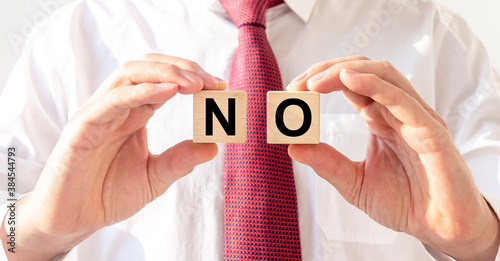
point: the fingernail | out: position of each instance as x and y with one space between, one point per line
208 79
190 76
166 85
300 77
344 70
318 76
222 84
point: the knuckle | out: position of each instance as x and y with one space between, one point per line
438 118
174 170
114 97
82 136
395 101
400 97
168 67
136 91
147 56
143 90
435 141
386 65
320 66
127 65
337 67
197 84
360 57
190 65
370 77
146 87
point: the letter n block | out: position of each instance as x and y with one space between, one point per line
292 117
219 116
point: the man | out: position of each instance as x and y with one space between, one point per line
107 190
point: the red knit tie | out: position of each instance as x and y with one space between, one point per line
260 203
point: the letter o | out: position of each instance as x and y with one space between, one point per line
280 111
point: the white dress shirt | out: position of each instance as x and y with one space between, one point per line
63 64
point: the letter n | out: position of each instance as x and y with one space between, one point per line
228 125
229 109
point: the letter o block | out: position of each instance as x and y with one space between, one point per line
219 116
292 117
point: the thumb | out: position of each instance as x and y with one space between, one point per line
176 162
331 165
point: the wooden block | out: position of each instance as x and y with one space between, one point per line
292 117
219 116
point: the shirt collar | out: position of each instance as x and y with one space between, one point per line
303 8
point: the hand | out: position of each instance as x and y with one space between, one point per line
413 178
101 171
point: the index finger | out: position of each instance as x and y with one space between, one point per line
299 83
188 65
329 80
156 72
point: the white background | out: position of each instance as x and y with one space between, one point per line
19 16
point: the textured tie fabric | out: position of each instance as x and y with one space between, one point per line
260 202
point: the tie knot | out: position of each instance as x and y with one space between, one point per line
248 12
